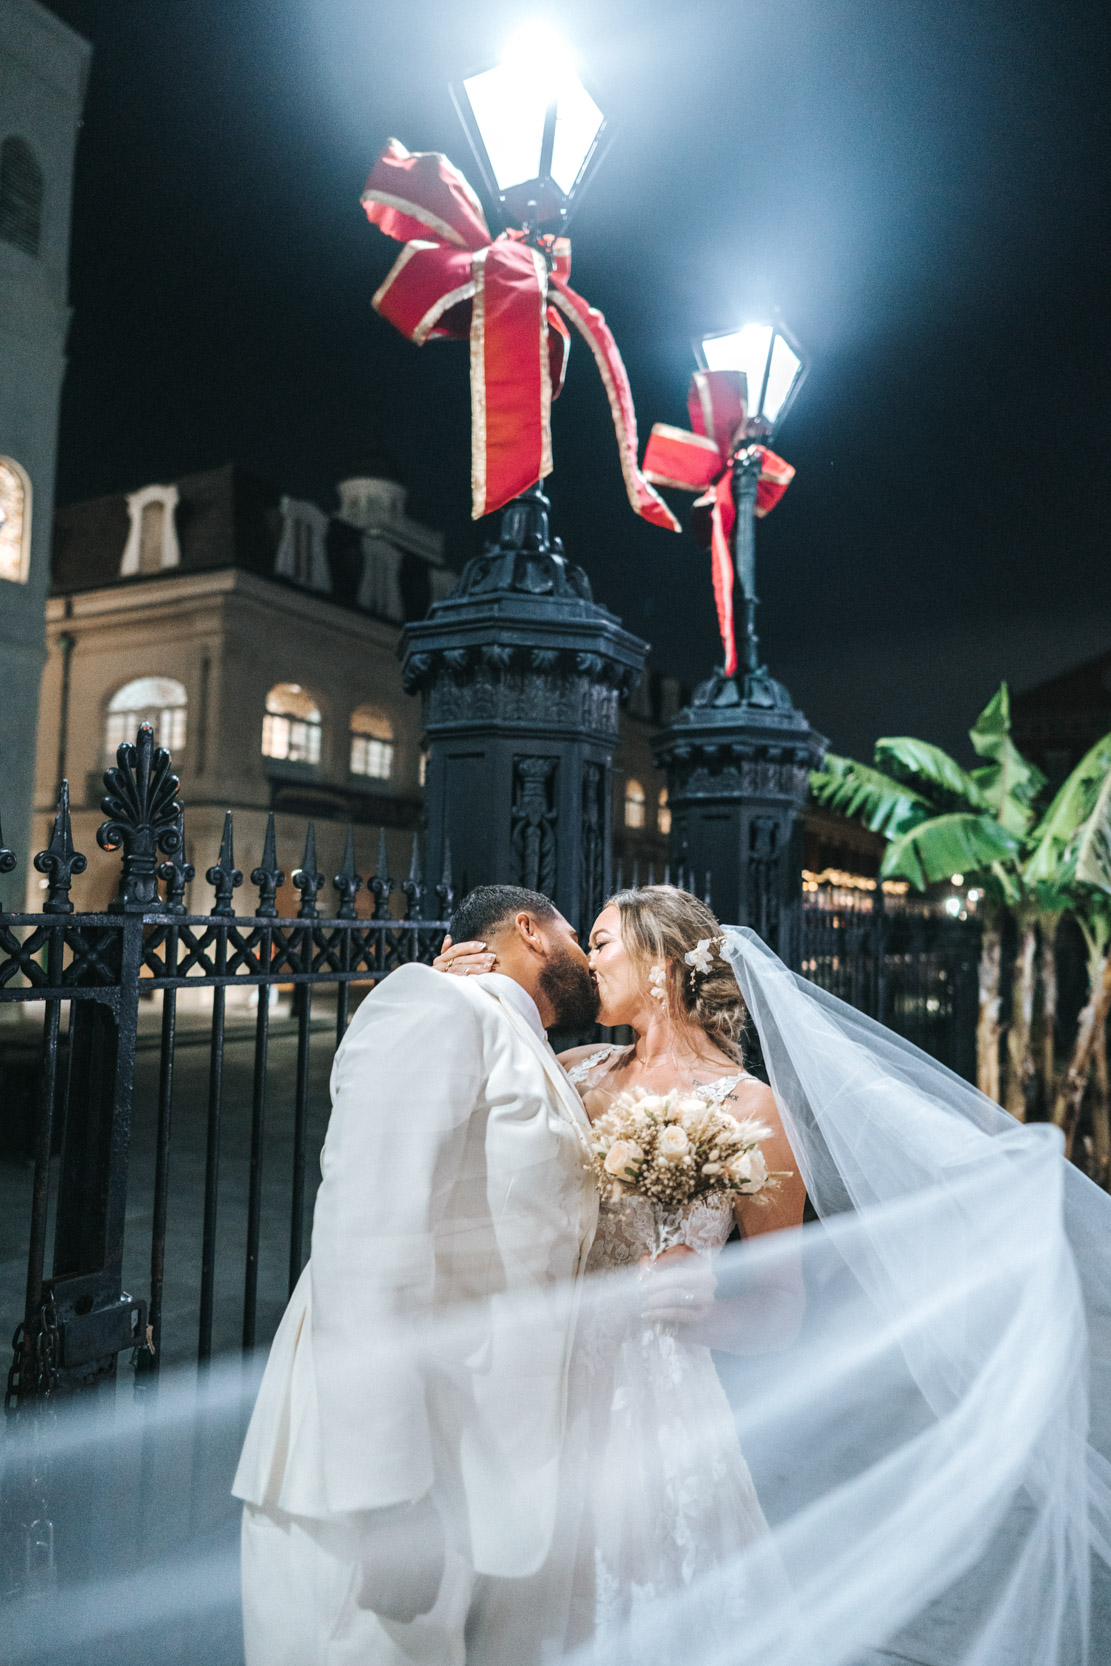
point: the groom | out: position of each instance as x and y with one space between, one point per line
400 1472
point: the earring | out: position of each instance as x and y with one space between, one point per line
657 981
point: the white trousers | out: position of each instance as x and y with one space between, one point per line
300 1579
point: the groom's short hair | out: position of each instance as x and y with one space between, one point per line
487 908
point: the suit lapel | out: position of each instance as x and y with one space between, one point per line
555 1072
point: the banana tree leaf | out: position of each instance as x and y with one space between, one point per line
930 771
1093 846
1052 861
960 843
1009 782
883 804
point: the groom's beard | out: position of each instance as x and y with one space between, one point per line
569 987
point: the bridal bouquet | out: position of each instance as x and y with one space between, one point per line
672 1149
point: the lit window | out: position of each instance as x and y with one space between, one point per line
422 769
663 812
15 521
634 803
20 196
159 701
371 743
291 728
152 523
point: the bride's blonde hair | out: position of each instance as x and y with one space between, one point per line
661 925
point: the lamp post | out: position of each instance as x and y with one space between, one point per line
521 672
774 369
738 757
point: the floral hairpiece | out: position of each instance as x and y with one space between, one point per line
701 957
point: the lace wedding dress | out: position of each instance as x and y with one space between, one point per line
665 1492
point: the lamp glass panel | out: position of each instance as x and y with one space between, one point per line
782 373
745 349
509 110
578 120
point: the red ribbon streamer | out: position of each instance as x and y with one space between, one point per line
452 280
702 461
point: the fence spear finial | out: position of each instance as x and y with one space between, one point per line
413 887
382 885
224 876
308 878
268 876
59 861
445 890
347 882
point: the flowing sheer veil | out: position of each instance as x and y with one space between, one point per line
932 1449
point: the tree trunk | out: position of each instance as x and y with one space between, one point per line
1020 1058
987 1026
1048 970
1101 1115
1070 1095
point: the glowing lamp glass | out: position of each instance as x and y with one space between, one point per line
766 358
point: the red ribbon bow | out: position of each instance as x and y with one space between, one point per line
717 401
453 280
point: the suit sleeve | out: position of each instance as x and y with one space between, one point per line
405 1083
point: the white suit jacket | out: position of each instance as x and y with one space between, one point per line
453 1183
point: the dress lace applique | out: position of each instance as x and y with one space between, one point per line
645 1402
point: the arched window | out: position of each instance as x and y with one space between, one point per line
371 743
20 196
291 728
634 803
663 812
15 521
159 701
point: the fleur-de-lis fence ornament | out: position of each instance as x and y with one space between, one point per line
347 882
59 861
308 879
176 872
268 876
224 876
140 802
445 890
382 885
413 887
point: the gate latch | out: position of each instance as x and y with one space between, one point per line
85 1337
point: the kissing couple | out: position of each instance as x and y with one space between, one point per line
457 1455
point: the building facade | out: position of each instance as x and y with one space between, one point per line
258 635
1056 722
43 71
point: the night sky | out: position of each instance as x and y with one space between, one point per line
919 186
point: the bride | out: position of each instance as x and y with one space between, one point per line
931 1428
658 1490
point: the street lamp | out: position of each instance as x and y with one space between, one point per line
534 128
771 368
771 363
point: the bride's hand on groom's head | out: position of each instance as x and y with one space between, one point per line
680 1286
464 958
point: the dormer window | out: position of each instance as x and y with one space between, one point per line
152 544
302 548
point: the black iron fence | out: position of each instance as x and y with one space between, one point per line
97 980
910 967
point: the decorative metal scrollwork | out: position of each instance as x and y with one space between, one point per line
142 809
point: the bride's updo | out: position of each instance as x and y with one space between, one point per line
661 925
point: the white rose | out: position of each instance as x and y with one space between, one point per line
750 1170
623 1155
673 1143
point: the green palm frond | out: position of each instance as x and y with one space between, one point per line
962 842
883 804
1009 782
930 771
